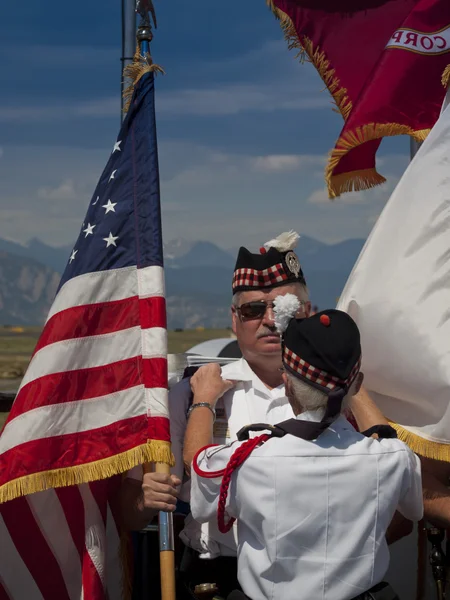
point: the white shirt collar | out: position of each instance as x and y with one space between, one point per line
241 371
238 371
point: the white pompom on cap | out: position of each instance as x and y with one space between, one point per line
284 242
285 308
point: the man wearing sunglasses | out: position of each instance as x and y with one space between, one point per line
256 395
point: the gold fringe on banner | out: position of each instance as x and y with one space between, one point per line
153 451
135 71
421 446
307 51
446 76
355 181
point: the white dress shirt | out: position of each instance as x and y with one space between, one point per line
250 401
312 516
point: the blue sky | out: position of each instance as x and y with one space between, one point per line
243 128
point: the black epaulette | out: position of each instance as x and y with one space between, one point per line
274 431
383 431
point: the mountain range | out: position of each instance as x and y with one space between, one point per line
198 278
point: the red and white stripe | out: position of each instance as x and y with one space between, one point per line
61 545
96 387
100 365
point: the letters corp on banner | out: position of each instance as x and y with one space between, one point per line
420 42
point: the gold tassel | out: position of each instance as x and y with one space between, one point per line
367 178
446 76
153 451
135 71
306 49
419 445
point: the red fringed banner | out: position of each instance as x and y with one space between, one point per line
382 61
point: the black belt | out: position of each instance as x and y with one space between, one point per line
381 591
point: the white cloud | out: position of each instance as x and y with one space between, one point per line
236 98
321 197
279 163
53 56
102 108
206 193
378 194
204 102
64 191
292 87
200 168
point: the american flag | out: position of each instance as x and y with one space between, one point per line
93 402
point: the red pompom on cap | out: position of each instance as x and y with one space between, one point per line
262 250
325 320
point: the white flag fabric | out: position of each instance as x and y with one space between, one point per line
399 295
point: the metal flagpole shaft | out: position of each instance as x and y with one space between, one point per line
128 41
166 548
166 539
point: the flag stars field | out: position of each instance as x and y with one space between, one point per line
72 256
117 147
112 176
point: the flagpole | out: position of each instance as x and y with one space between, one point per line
128 42
165 520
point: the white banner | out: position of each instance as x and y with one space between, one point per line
399 295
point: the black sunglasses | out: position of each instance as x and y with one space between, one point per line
257 309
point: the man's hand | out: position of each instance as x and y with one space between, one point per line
159 491
207 384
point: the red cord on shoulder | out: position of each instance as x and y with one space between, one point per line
239 456
200 472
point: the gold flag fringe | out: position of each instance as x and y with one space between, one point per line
367 178
446 76
153 451
354 181
419 445
305 48
135 71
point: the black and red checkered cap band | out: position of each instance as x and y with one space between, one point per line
251 278
315 376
